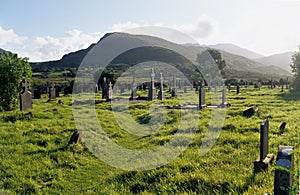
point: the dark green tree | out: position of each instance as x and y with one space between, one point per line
12 70
295 65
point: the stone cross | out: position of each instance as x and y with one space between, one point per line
161 94
152 90
110 91
25 96
52 92
283 179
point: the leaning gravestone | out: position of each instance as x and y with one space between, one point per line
250 111
282 127
264 158
283 180
26 96
52 92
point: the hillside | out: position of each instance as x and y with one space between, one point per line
234 49
281 60
234 62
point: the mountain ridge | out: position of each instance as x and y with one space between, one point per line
233 61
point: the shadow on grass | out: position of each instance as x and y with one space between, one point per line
289 96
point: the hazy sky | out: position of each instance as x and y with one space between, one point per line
45 30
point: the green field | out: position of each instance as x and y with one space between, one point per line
36 161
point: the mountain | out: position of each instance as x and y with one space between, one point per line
236 64
2 50
281 60
234 49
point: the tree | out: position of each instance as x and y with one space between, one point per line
12 70
208 61
295 65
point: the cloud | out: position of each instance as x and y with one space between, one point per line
8 37
124 26
52 48
204 27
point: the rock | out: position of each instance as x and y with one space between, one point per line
75 138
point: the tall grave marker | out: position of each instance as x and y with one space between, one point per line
25 96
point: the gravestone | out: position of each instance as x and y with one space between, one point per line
238 89
161 95
250 111
57 91
104 89
224 103
282 127
75 138
25 96
287 83
283 180
152 90
37 93
52 92
202 96
133 90
174 90
264 158
110 92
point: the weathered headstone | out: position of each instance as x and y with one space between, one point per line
282 127
202 96
52 92
224 103
25 96
283 180
184 89
152 90
264 158
133 90
237 89
287 83
104 89
37 93
110 91
250 111
174 89
161 95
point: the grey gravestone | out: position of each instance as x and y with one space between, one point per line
184 89
152 90
224 103
174 90
264 158
238 89
250 111
52 92
25 96
104 89
161 94
283 180
37 93
133 90
202 96
287 83
282 127
110 91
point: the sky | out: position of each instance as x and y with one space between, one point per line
46 30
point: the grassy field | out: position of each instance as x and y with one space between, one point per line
36 161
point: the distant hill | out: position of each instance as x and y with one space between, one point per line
234 62
281 60
234 49
2 50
